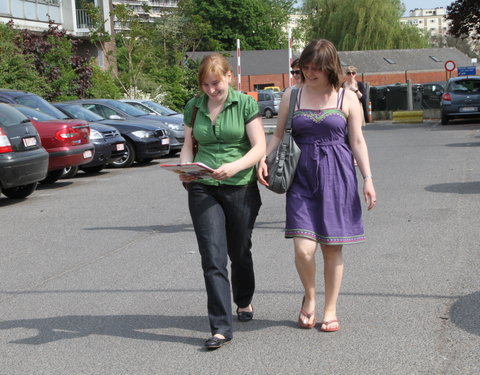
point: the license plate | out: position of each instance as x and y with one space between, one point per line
30 141
165 141
468 109
87 154
120 147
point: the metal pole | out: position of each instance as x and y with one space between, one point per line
239 68
290 77
409 95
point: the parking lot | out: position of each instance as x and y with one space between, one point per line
100 274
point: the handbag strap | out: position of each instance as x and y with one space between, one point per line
293 101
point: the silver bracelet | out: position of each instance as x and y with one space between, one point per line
369 176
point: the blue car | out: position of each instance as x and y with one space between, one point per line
118 110
144 140
461 98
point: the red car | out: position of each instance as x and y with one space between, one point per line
67 142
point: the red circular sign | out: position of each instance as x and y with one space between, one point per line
450 65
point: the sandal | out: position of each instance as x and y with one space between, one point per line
327 323
304 318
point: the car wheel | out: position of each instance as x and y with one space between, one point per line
19 192
268 113
70 172
95 169
52 176
444 119
128 157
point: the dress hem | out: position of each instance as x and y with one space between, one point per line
325 240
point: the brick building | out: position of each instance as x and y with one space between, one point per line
378 67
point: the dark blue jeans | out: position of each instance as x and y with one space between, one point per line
223 218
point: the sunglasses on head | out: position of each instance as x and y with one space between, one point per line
351 73
293 72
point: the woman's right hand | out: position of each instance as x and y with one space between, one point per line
262 172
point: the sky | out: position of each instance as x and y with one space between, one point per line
425 4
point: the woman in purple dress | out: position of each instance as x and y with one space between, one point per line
323 205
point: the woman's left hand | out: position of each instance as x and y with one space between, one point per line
225 171
369 193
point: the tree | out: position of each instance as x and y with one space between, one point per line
68 75
360 24
465 19
259 24
17 71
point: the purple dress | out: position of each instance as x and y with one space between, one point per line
323 202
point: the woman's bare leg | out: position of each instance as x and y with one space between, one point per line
333 274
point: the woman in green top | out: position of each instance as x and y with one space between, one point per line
231 140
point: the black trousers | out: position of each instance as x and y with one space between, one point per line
223 218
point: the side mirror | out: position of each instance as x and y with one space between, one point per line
115 117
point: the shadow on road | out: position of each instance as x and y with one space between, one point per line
465 313
176 228
126 326
456 187
467 144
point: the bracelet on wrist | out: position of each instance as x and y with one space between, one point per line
368 176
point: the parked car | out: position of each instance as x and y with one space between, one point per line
268 103
67 141
432 94
461 98
143 141
23 160
108 144
272 88
29 100
149 106
118 110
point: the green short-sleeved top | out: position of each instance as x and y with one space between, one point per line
227 141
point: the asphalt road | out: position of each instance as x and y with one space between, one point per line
101 274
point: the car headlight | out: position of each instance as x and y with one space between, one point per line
95 134
143 134
174 126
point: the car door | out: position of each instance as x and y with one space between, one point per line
101 110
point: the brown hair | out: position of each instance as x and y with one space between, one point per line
215 64
294 63
322 54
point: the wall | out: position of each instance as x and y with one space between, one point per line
379 79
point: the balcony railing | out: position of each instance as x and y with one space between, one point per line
84 21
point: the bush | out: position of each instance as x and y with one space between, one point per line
102 85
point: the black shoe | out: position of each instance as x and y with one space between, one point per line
216 342
244 316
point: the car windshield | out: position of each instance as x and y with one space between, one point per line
40 104
9 116
82 113
164 111
277 96
466 86
127 108
34 114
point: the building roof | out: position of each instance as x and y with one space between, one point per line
264 62
401 60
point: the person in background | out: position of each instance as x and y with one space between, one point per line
228 128
358 88
323 205
295 72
